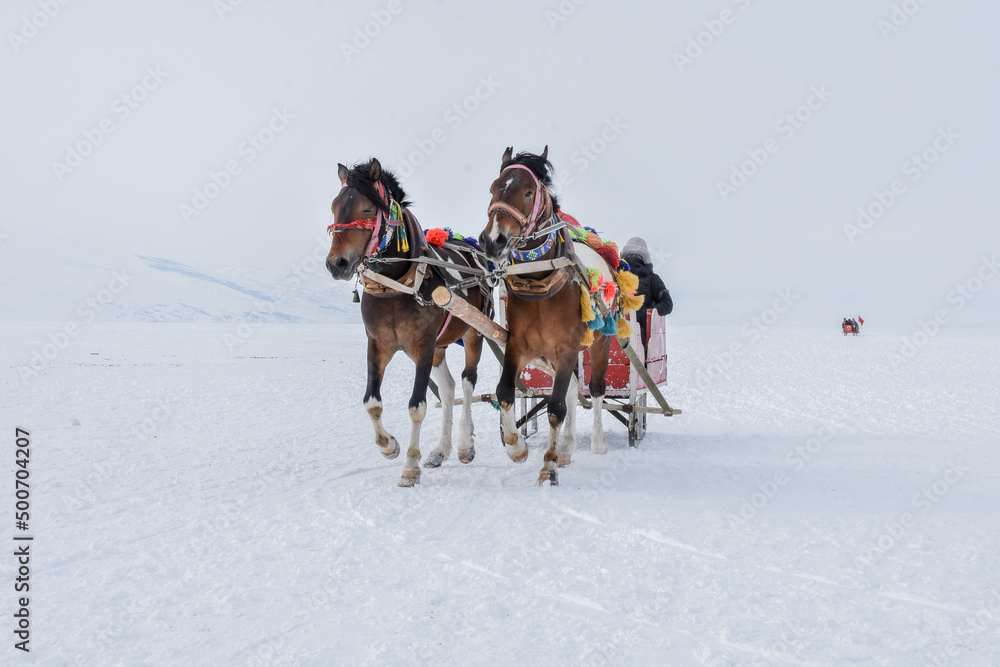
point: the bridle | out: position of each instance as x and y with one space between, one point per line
394 221
542 209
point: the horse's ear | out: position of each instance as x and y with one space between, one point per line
507 155
375 170
342 173
545 152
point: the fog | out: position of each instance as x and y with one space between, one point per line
844 151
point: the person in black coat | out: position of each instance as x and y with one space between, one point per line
636 255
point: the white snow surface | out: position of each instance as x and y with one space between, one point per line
229 506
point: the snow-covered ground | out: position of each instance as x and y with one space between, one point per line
818 502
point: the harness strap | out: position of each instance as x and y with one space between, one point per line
379 285
447 321
539 287
539 265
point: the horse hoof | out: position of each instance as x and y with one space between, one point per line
517 457
434 460
466 455
549 476
393 453
564 460
410 478
599 448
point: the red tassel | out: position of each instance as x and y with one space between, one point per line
609 254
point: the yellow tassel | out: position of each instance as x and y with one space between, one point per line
586 309
628 282
588 338
624 328
632 302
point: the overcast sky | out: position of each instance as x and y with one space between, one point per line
739 137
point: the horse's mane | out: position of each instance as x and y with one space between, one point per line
541 168
359 179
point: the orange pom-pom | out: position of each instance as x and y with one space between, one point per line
609 292
594 241
436 237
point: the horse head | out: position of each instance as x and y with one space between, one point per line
359 209
520 200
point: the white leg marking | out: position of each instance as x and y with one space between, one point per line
567 443
513 441
417 415
466 429
411 470
446 387
598 444
384 440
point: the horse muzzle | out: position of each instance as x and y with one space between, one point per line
341 268
494 248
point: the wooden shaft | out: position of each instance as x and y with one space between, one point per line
469 314
474 317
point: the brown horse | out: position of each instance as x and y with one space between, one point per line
377 238
544 312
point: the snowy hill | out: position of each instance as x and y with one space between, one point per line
54 280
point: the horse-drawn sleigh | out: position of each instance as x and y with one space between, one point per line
566 293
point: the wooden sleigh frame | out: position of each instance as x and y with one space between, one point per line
630 381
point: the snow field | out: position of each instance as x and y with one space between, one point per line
230 507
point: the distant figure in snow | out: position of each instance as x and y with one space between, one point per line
636 254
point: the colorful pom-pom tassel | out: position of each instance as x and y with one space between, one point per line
624 328
594 241
632 302
588 338
594 279
609 292
436 237
586 309
628 282
609 253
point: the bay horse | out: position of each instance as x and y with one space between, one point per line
544 321
376 237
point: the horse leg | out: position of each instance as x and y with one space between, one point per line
567 441
378 359
424 361
513 441
446 387
557 414
466 429
598 368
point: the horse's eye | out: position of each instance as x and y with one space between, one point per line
529 193
367 210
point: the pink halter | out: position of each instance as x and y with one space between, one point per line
527 223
